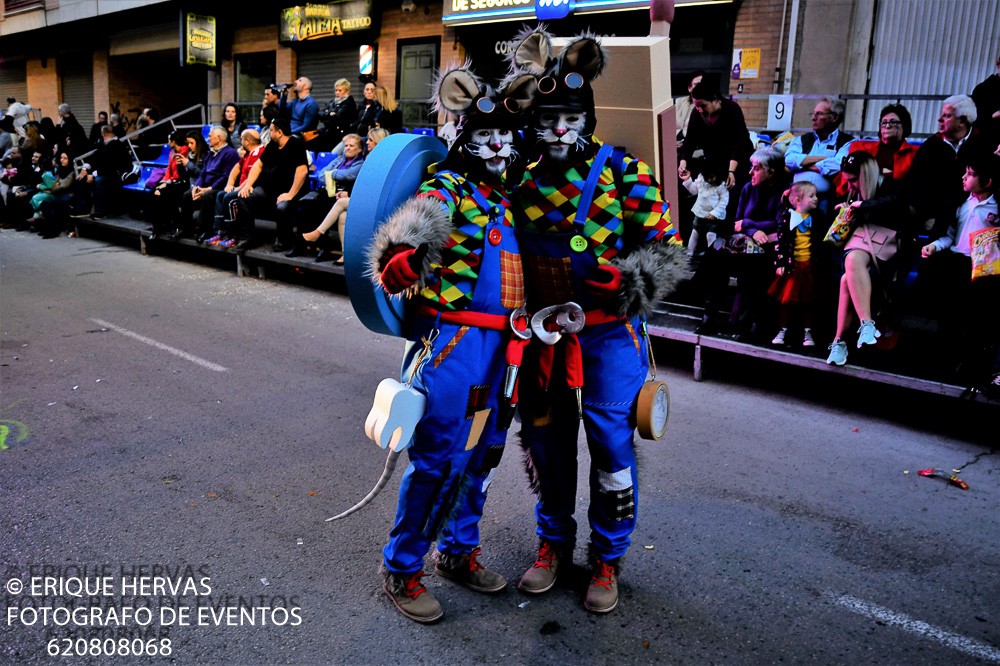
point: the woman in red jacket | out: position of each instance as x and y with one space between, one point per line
892 152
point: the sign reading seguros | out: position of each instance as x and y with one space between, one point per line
486 11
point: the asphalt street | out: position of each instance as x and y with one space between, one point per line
167 422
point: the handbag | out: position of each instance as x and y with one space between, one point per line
155 177
985 252
841 227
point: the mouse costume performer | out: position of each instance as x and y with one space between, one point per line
599 251
451 249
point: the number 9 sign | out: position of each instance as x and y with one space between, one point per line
779 112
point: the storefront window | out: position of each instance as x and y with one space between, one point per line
254 71
416 63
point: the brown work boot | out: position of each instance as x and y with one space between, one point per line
602 593
543 573
465 569
411 597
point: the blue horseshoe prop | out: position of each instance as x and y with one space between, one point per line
390 175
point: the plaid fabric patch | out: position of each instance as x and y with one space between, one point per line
511 280
454 279
547 203
622 504
451 345
549 280
477 399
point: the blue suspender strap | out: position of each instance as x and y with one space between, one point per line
587 193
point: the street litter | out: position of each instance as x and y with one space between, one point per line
265 582
941 474
76 387
298 542
523 604
648 547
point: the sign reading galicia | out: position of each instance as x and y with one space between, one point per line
199 40
305 22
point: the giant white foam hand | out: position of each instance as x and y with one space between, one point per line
394 415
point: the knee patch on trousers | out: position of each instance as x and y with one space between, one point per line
619 493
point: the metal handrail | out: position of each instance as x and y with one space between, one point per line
78 161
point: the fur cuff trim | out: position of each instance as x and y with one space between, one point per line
649 274
418 221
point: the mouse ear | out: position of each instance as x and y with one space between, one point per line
586 56
457 89
522 91
533 52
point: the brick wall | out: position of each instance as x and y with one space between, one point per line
758 25
43 85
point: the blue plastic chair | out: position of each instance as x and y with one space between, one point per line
423 131
162 160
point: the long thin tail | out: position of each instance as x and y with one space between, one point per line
390 465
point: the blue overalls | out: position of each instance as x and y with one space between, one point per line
615 362
443 489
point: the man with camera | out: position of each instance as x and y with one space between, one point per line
301 108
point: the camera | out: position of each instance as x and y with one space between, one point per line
281 88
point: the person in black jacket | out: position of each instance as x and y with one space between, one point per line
337 116
368 111
111 160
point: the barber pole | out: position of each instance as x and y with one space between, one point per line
366 60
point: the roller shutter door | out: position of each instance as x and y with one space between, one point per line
13 82
945 48
325 68
77 73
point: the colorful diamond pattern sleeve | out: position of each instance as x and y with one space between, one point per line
454 279
549 203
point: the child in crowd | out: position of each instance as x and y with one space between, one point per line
968 319
709 208
799 238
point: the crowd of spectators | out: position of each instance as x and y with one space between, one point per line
758 217
912 207
211 191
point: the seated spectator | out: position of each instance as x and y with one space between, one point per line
892 152
272 98
35 140
20 179
709 209
227 230
717 132
267 116
934 183
816 156
756 218
388 116
112 159
367 111
966 309
232 122
336 178
215 170
175 180
339 114
880 219
276 182
301 108
7 137
800 244
95 129
52 201
338 212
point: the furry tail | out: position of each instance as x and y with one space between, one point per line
649 274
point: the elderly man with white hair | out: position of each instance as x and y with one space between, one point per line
935 179
815 156
219 163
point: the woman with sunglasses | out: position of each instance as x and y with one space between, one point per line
891 151
880 215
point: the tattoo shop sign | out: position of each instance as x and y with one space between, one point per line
307 22
200 40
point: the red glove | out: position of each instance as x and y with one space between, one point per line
606 283
401 267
